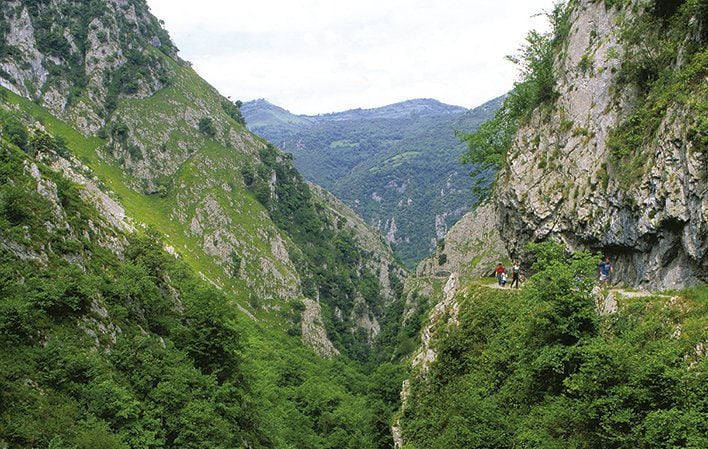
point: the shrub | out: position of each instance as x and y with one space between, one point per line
15 132
206 126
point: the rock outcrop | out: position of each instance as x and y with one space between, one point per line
313 330
470 248
562 180
78 59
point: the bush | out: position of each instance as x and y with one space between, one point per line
206 126
15 132
233 110
542 369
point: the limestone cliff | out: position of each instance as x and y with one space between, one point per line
78 58
470 248
616 162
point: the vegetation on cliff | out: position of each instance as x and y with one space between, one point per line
665 58
488 145
540 368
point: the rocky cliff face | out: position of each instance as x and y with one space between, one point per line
78 58
618 162
471 247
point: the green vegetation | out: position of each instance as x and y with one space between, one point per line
541 369
206 126
488 146
669 69
14 131
132 349
96 351
127 79
398 338
233 110
385 162
331 264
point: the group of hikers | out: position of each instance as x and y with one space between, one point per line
501 272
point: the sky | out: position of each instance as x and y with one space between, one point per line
319 56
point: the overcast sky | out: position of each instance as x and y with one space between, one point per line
317 56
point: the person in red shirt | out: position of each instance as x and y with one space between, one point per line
501 274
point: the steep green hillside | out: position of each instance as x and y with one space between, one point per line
178 157
542 368
291 287
109 341
397 166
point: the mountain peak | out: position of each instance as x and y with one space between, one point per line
406 108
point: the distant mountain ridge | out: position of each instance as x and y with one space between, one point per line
418 106
396 165
264 114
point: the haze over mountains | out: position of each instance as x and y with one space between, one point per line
397 165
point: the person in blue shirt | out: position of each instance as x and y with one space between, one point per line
606 270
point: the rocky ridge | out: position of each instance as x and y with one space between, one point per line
472 247
69 58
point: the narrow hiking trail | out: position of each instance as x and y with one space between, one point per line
626 293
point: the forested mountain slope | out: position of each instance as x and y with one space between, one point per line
397 165
178 155
107 340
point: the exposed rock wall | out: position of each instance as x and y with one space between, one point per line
471 247
556 183
380 261
65 56
313 330
445 312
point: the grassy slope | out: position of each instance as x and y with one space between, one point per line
153 210
269 355
59 388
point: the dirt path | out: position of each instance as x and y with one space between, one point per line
636 293
617 291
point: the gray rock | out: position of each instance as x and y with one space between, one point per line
654 227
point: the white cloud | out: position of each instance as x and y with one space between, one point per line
315 56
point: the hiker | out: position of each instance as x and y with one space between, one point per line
606 270
515 273
501 274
